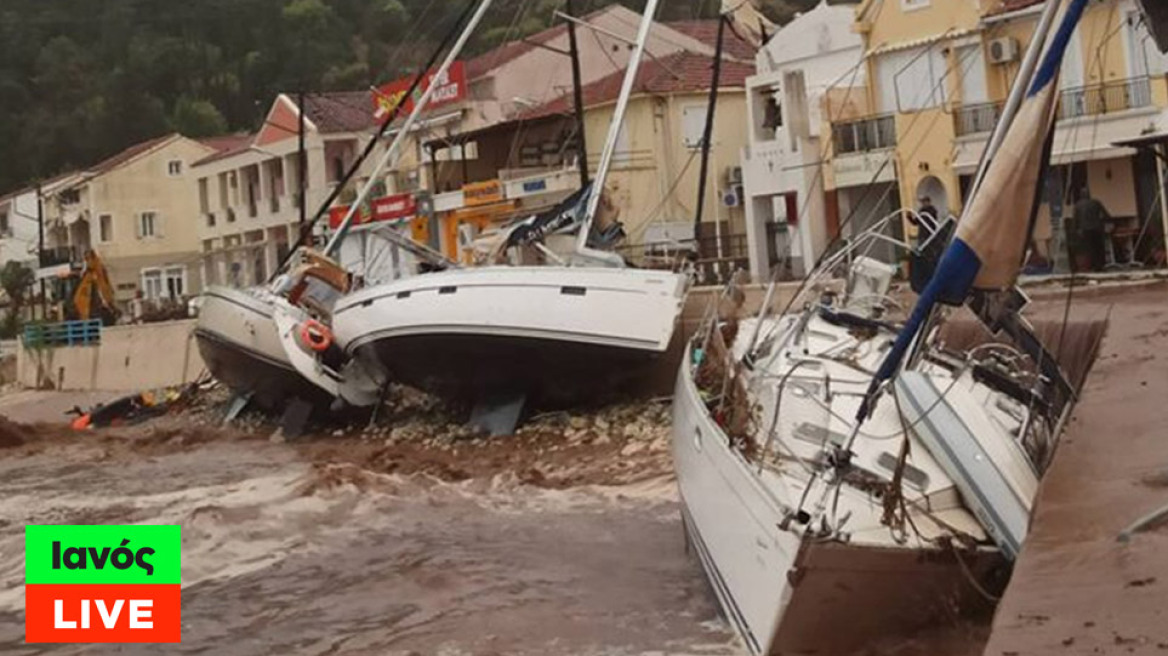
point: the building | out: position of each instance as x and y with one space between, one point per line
787 223
248 195
135 209
938 74
518 166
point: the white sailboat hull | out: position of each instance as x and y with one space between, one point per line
784 593
241 346
541 329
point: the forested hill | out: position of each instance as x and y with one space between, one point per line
82 79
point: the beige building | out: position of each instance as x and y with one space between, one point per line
137 210
247 196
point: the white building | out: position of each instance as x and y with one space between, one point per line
786 208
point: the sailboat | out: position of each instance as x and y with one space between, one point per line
843 473
555 331
271 344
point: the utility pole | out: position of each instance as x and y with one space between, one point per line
578 94
302 161
41 251
708 137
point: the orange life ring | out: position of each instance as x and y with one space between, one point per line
315 336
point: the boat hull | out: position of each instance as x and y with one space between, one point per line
785 594
240 345
557 334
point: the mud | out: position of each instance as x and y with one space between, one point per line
1076 589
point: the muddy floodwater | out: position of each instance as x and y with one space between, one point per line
287 556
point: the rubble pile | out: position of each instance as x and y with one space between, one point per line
415 434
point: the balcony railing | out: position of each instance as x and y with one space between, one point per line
1108 98
865 135
975 119
59 255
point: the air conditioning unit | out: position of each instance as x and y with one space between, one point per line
733 196
1004 50
733 175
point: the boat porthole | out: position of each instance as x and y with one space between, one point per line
447 290
573 291
698 439
403 294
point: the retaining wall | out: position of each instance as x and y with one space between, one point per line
129 358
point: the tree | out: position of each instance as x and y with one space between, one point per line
16 280
197 118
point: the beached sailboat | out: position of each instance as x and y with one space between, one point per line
579 323
843 473
259 342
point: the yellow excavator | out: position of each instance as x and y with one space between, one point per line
94 281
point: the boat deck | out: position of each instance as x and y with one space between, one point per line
1076 589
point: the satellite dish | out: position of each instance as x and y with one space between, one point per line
1156 13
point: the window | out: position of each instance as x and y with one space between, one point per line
911 80
693 121
148 225
105 228
174 168
4 227
338 169
210 219
152 284
176 282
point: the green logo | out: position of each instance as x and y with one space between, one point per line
117 555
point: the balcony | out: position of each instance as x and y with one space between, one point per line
875 133
976 119
51 257
1108 98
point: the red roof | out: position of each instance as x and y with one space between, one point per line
228 142
677 73
706 31
128 154
339 111
510 51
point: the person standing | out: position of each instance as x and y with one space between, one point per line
1091 218
925 219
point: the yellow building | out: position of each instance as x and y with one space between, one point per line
529 163
139 212
938 73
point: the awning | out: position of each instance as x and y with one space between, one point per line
923 41
1078 140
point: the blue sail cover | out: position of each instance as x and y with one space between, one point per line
987 250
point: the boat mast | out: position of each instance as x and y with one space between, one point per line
614 130
1018 92
394 151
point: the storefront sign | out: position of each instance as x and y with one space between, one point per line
397 206
482 193
535 186
386 208
860 170
451 89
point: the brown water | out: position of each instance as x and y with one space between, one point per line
282 557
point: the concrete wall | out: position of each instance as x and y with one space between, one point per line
129 358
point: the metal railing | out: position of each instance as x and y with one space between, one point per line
864 135
59 255
68 333
1107 98
976 119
